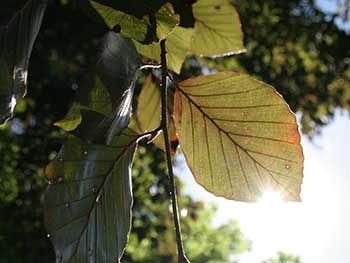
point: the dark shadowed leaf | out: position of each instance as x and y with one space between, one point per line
239 137
98 100
88 201
16 42
217 29
106 100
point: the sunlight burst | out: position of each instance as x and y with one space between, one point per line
271 199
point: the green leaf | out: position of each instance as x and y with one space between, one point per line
149 112
137 8
98 100
151 51
130 26
106 100
167 20
177 45
217 30
16 43
239 137
88 201
149 105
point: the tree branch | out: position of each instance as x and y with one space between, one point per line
164 125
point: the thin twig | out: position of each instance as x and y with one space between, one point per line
164 124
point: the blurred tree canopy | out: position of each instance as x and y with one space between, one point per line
283 258
291 45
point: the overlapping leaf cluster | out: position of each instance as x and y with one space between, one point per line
237 134
88 200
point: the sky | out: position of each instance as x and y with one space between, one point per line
317 229
330 7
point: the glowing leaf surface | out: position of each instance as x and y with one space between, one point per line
149 111
130 26
239 137
217 30
177 45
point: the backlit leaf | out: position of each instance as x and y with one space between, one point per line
177 45
130 26
88 201
149 105
149 111
217 29
166 20
16 43
239 137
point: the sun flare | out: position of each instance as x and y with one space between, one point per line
271 199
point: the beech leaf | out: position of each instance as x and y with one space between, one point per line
106 99
87 204
130 26
177 46
217 30
239 137
166 20
95 99
149 112
16 43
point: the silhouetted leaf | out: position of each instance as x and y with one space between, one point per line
98 99
107 99
88 201
16 43
217 30
239 137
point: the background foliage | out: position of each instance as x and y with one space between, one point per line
291 45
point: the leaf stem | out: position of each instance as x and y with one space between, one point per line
151 135
150 65
164 125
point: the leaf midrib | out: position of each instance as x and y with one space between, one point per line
109 172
